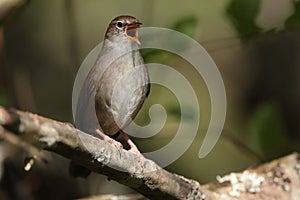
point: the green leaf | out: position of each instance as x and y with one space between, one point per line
3 100
267 131
187 25
242 14
154 55
293 22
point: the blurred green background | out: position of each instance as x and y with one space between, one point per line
255 44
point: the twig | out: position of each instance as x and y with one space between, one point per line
34 153
115 197
279 179
99 156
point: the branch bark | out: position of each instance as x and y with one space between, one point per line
279 179
99 156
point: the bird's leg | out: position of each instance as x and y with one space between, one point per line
109 139
133 147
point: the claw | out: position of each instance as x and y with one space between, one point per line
133 148
109 139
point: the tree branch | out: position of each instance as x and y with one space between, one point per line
120 165
279 179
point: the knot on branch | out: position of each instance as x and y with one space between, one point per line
102 156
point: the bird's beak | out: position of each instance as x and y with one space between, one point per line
132 33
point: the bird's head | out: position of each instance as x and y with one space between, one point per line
124 27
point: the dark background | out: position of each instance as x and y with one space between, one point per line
255 44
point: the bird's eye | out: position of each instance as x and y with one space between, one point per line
119 24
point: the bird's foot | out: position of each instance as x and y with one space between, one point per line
109 139
133 148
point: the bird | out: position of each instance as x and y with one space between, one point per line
116 86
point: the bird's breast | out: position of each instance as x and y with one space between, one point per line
121 91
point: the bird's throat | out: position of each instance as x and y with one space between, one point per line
132 33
